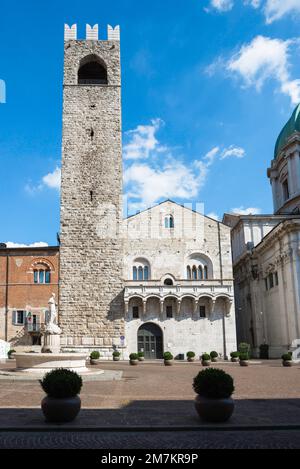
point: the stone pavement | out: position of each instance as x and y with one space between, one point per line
153 396
177 441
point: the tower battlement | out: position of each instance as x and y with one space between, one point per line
92 33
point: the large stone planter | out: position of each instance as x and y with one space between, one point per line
191 359
215 360
287 363
94 361
214 410
244 362
235 360
141 359
206 362
168 362
60 410
133 362
116 359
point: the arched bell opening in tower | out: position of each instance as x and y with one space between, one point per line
92 71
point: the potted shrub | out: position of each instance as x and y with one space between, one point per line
168 359
244 348
244 359
133 359
10 354
95 358
141 356
214 388
287 359
62 403
205 359
116 356
214 356
191 356
235 357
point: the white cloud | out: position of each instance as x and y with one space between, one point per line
142 141
152 177
213 215
50 180
272 9
40 244
254 3
276 9
53 180
263 59
173 180
246 211
222 5
232 151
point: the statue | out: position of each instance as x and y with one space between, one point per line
51 326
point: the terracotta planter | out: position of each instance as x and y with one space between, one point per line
168 362
116 359
191 359
206 362
94 361
287 363
235 360
61 410
244 363
214 410
134 362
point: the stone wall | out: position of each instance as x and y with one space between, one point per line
91 286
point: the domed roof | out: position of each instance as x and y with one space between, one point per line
293 125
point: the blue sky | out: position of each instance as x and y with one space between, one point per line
207 86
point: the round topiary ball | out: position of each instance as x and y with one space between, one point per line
213 383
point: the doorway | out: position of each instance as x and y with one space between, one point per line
150 341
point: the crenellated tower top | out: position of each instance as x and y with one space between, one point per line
92 33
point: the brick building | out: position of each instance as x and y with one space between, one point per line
28 277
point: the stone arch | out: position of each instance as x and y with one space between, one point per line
150 340
92 71
198 266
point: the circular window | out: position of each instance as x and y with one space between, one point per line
168 281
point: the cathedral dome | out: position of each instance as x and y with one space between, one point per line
293 125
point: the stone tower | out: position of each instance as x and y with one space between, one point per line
91 255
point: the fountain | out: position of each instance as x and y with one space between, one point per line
51 358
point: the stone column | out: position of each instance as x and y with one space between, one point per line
126 309
162 310
196 307
144 309
290 175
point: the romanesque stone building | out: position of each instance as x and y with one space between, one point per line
178 282
266 255
158 281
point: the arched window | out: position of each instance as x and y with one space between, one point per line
92 72
168 282
199 267
169 222
141 269
42 275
